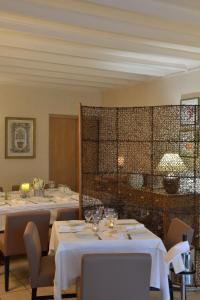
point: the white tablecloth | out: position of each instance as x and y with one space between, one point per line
53 200
69 248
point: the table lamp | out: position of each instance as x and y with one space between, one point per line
171 165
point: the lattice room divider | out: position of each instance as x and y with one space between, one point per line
120 152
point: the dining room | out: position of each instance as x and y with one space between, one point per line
99 150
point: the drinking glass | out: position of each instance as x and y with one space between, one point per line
108 212
61 187
51 184
95 221
115 218
99 211
88 214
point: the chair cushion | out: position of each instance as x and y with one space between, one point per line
47 271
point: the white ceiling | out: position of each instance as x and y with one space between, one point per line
97 43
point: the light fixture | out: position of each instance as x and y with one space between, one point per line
171 165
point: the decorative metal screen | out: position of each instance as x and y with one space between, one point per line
121 153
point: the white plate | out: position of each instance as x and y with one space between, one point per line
127 222
75 222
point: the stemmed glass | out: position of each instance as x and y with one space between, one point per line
111 215
88 214
107 212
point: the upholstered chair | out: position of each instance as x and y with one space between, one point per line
41 268
67 214
177 229
115 276
11 241
15 187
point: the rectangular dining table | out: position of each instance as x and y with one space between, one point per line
52 200
69 243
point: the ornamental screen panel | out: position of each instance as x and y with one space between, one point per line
129 156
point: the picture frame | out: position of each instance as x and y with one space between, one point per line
189 113
20 137
188 146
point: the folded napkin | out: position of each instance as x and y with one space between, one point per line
133 227
174 256
111 235
72 229
18 202
127 221
39 199
75 197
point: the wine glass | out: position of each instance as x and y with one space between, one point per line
88 214
51 184
99 211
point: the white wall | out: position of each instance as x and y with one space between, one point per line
37 103
155 92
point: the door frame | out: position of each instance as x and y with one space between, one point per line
75 117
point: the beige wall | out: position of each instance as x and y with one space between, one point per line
37 103
155 92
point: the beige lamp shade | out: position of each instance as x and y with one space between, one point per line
171 163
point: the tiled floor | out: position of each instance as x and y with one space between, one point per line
20 288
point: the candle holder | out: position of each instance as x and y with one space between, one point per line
111 224
95 227
25 188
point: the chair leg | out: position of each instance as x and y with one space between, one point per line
6 267
171 289
34 294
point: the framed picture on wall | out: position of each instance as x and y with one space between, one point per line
188 143
20 137
189 111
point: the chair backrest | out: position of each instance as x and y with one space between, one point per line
15 187
115 276
33 251
67 214
177 229
15 226
1 189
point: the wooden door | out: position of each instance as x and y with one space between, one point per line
64 150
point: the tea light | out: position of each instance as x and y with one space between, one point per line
111 224
95 227
25 187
